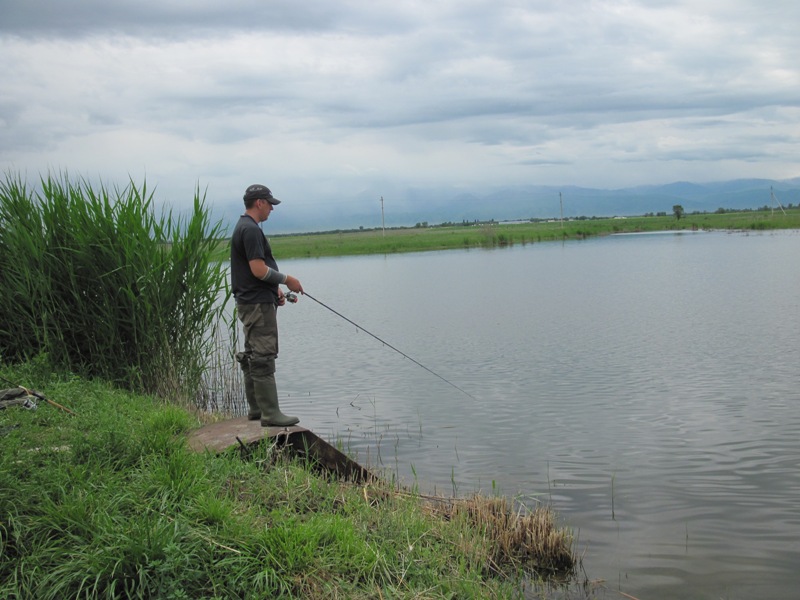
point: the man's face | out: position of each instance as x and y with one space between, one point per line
265 209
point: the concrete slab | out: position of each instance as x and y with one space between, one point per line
241 433
218 437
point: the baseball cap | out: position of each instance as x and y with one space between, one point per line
260 192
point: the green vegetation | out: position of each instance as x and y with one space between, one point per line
111 503
490 235
95 281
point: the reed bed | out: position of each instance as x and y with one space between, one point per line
101 286
222 390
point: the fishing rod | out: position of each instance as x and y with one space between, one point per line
292 297
38 395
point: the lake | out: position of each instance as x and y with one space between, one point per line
646 386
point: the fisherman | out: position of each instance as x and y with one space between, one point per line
255 282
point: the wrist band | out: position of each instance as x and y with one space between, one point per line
274 277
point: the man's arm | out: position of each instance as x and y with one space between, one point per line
260 269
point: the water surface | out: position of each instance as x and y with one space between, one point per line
645 385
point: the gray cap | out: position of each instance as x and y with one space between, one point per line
260 192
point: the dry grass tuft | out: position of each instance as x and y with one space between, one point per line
516 538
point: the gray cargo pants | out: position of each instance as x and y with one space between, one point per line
260 325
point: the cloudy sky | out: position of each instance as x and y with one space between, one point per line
323 99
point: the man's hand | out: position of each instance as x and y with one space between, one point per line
293 284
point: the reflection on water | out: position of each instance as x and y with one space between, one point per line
647 386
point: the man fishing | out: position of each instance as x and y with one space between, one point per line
255 282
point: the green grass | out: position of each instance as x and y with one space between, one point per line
419 239
111 503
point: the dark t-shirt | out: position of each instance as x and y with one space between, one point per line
249 242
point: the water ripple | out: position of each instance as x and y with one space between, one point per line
646 387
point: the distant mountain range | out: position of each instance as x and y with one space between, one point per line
407 207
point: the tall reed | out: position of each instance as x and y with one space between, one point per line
94 280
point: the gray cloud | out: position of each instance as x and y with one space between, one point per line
181 19
322 99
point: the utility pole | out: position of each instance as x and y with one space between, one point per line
774 200
561 202
383 221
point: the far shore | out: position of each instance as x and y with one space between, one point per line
447 236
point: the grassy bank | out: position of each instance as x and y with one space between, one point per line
110 503
485 235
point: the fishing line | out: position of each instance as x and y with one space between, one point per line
385 343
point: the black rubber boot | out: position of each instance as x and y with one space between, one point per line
266 393
254 412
